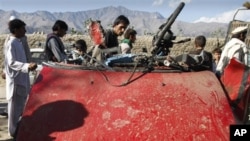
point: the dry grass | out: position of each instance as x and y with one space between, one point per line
141 42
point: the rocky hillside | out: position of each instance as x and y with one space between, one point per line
143 22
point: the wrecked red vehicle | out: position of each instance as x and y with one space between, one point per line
139 100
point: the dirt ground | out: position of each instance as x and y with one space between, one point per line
3 119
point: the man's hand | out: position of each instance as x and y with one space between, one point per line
32 66
183 64
3 75
169 58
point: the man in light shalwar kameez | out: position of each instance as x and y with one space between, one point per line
27 53
17 77
235 48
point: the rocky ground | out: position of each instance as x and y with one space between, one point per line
3 119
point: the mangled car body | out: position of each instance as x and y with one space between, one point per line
138 100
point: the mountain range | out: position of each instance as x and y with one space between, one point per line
143 22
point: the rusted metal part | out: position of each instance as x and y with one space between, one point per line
88 105
237 23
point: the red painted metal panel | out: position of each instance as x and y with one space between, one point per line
236 80
77 105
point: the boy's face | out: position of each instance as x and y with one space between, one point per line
61 32
132 38
20 32
79 50
217 56
120 28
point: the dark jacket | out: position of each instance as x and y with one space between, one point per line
204 63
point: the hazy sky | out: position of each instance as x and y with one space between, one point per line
194 10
